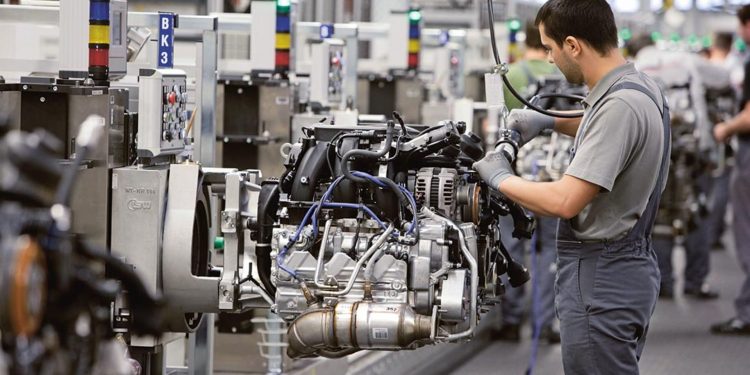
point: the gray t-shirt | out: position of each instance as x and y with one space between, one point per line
618 147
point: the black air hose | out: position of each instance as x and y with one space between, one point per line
267 214
367 154
140 298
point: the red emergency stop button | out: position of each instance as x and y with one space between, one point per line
172 97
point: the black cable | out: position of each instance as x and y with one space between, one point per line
493 42
512 90
367 154
398 146
356 237
67 182
328 152
250 278
341 138
400 120
561 96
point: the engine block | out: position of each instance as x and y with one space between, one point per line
382 238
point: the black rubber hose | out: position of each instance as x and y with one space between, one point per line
312 168
561 96
68 180
267 210
367 154
139 296
507 82
400 120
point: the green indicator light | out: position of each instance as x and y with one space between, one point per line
283 5
626 34
219 243
740 45
707 42
693 39
656 36
674 37
514 24
415 16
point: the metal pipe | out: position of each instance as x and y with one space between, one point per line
381 240
254 289
370 267
321 254
474 274
361 325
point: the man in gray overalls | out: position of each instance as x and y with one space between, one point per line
740 192
608 278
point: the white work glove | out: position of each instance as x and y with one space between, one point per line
529 123
494 169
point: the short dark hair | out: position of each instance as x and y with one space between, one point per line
533 39
723 41
744 14
589 20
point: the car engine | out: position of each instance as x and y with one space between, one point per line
381 237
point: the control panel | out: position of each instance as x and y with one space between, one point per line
327 75
456 76
162 112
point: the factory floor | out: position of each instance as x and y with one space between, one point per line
678 341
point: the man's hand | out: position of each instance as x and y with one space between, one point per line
721 133
529 123
494 168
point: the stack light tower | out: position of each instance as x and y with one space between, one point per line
415 28
99 41
283 36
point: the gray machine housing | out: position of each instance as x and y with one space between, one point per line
253 120
59 110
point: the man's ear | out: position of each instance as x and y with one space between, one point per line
573 46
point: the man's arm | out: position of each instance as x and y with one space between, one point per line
740 124
564 198
567 126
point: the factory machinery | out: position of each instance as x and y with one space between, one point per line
54 292
409 251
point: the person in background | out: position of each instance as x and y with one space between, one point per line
740 191
525 75
685 78
721 55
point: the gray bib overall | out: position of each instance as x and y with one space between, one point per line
606 291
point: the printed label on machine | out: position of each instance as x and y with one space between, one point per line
380 333
166 40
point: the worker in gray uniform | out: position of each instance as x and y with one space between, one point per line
608 278
740 191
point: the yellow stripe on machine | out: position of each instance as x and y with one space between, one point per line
283 41
99 34
413 45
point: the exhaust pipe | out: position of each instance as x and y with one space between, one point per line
357 325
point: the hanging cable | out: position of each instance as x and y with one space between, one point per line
503 73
